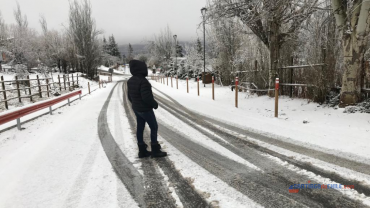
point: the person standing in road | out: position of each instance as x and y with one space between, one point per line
141 97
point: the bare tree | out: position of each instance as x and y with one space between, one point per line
273 22
19 18
352 19
83 32
162 47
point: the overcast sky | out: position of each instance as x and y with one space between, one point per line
130 21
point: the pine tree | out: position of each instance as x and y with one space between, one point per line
199 47
130 52
113 48
105 46
179 51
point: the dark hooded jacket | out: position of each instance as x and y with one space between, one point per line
139 89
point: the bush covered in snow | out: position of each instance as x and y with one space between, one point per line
363 107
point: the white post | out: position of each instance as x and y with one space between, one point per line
51 110
69 103
19 124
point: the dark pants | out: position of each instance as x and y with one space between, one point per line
142 118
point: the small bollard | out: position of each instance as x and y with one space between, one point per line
19 124
69 102
187 84
171 82
177 81
277 98
236 91
88 84
50 110
213 88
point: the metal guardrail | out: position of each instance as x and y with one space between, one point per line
17 114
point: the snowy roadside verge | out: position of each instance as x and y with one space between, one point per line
93 87
328 129
58 161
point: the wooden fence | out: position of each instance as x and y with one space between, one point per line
34 87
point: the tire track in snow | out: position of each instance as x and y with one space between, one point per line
274 171
75 193
326 157
330 158
127 173
188 196
156 193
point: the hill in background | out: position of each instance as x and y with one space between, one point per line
141 48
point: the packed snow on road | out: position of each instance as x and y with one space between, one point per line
185 104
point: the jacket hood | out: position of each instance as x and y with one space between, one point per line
138 68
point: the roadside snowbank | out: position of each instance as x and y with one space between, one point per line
327 129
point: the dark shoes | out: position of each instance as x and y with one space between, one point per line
156 151
142 151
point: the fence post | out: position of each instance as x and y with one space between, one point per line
177 81
60 87
88 84
69 83
73 82
64 81
291 77
18 90
187 84
29 87
38 82
4 92
213 88
236 91
277 97
47 86
198 84
171 81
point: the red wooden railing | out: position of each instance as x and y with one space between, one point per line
17 114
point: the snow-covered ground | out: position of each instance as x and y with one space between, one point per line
26 102
120 70
58 161
327 129
83 83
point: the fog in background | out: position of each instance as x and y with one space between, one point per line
130 21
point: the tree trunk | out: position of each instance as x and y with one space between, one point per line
82 68
274 54
64 66
353 50
59 65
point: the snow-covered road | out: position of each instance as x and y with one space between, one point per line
86 156
58 161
